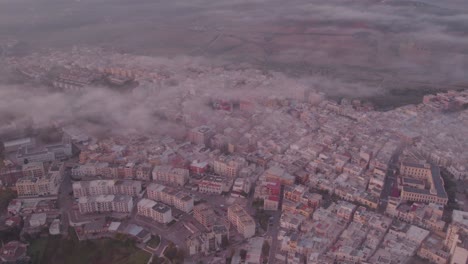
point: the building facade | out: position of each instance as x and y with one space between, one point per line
170 196
243 222
106 187
170 175
158 212
105 203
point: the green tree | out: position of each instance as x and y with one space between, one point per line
265 248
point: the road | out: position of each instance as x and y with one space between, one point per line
390 180
274 229
65 200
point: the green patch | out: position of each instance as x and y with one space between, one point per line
6 196
59 250
154 241
263 218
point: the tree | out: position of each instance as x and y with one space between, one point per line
224 242
265 248
243 254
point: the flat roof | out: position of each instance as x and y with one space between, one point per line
16 142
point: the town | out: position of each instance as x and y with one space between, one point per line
239 177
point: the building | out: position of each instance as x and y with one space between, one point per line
105 203
414 189
48 153
106 187
212 184
278 174
170 196
229 166
9 175
243 222
200 135
38 219
416 170
54 228
157 211
198 167
34 169
170 175
13 252
294 193
14 145
14 207
432 250
241 187
456 239
143 172
271 203
204 214
41 186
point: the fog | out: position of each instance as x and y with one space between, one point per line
391 51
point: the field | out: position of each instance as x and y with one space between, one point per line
57 250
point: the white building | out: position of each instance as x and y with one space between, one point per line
212 184
170 196
228 166
170 175
106 187
243 222
157 211
41 186
105 203
38 219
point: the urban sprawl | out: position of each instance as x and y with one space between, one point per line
256 177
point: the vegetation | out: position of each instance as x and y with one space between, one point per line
10 234
257 203
174 254
266 248
263 218
265 251
154 241
243 254
160 260
224 242
6 196
59 250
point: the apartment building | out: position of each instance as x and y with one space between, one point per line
170 196
243 222
143 172
229 166
204 214
170 175
212 184
422 175
241 187
200 135
41 186
106 187
157 211
456 240
105 203
34 169
91 169
48 153
416 170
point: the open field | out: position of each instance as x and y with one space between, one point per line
58 250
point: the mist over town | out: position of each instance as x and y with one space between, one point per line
241 131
